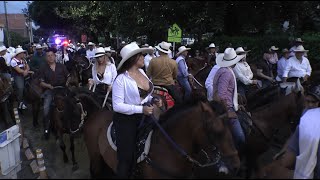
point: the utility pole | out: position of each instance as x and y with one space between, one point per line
7 26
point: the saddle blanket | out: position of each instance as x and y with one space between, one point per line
143 141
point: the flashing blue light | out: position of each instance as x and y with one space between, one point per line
57 41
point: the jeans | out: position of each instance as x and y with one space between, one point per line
47 95
19 85
184 82
237 133
7 75
242 88
265 83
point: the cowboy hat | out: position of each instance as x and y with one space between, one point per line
299 40
18 51
3 48
300 49
90 44
99 52
211 46
38 46
273 48
44 45
164 47
130 50
100 44
182 49
285 50
241 50
228 58
145 45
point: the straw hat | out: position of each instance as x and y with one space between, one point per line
228 58
299 40
100 52
273 48
241 50
164 47
18 51
3 48
300 49
182 49
38 46
130 50
90 44
285 50
211 46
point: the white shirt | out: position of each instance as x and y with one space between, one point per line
110 73
90 54
7 57
147 60
125 95
209 82
243 72
296 69
281 65
15 61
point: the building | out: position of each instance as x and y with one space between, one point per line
16 23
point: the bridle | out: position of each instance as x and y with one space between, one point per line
83 117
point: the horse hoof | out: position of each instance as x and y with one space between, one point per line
224 170
75 167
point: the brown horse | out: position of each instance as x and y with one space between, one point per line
191 126
267 120
6 105
80 71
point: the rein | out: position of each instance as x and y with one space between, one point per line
83 116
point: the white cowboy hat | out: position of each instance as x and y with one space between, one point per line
228 58
211 46
90 44
107 49
11 50
3 48
182 49
100 44
38 46
18 51
299 40
44 45
130 50
273 48
145 45
99 52
300 49
164 47
285 50
241 50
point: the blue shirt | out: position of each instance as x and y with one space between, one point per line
182 67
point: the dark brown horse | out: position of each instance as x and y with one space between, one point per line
267 120
192 126
6 105
80 71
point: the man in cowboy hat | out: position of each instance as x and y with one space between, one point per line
225 91
91 51
51 74
20 69
265 68
212 54
183 74
271 55
4 68
297 43
163 70
148 57
243 73
109 54
282 63
297 66
38 59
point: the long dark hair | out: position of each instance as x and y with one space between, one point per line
129 63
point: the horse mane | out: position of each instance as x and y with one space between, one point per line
176 111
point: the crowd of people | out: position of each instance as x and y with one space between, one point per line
132 79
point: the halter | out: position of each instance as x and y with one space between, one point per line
83 116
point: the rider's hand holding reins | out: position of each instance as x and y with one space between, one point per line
147 110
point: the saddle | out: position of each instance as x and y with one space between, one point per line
245 121
164 92
144 135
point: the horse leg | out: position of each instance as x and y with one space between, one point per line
35 112
99 169
63 148
3 115
75 164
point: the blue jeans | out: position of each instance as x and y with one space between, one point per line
237 133
19 86
47 95
186 86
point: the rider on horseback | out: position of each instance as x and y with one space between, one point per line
225 90
38 59
103 74
131 89
51 74
163 70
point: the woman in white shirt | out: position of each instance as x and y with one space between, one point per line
243 73
131 90
103 73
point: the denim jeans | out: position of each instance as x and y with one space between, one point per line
183 81
237 133
47 95
7 75
242 88
19 87
265 83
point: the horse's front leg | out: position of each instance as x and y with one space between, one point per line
63 147
75 164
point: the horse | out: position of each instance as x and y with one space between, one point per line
201 125
81 71
267 120
62 108
6 92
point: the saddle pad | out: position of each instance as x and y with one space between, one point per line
164 92
143 143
